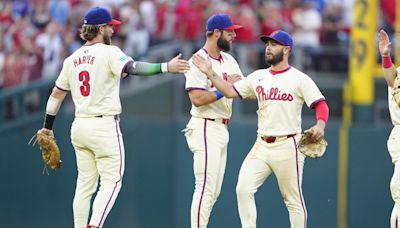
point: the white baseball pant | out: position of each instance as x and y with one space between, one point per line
100 153
208 141
393 145
284 160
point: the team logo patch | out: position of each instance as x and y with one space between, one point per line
124 58
225 76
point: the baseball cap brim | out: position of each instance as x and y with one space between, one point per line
265 39
114 22
233 27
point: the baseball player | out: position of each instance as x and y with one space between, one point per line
393 143
92 74
206 133
281 91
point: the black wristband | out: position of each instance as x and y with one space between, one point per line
48 121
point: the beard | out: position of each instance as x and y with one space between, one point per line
107 39
275 59
223 44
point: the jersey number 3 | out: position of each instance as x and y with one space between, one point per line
85 87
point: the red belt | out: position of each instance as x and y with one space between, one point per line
224 121
272 139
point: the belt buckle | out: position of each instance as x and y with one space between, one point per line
269 139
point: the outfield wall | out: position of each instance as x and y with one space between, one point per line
158 182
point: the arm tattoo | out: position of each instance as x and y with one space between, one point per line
214 75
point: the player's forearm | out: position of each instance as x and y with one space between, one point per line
222 85
390 75
321 124
53 106
203 97
146 69
389 70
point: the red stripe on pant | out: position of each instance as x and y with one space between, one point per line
103 216
298 183
205 173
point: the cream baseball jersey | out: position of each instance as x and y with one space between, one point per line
195 79
280 96
394 109
92 74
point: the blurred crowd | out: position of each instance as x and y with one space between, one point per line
36 35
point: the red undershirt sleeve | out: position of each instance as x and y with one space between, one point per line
322 111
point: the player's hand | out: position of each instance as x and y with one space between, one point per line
178 65
203 64
234 78
384 43
318 130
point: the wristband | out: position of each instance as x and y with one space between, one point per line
219 94
387 61
164 67
48 121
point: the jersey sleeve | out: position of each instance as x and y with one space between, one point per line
244 87
195 79
310 92
237 69
118 60
62 81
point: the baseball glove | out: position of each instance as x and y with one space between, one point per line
396 90
49 148
310 148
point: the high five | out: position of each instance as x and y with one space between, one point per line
281 91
